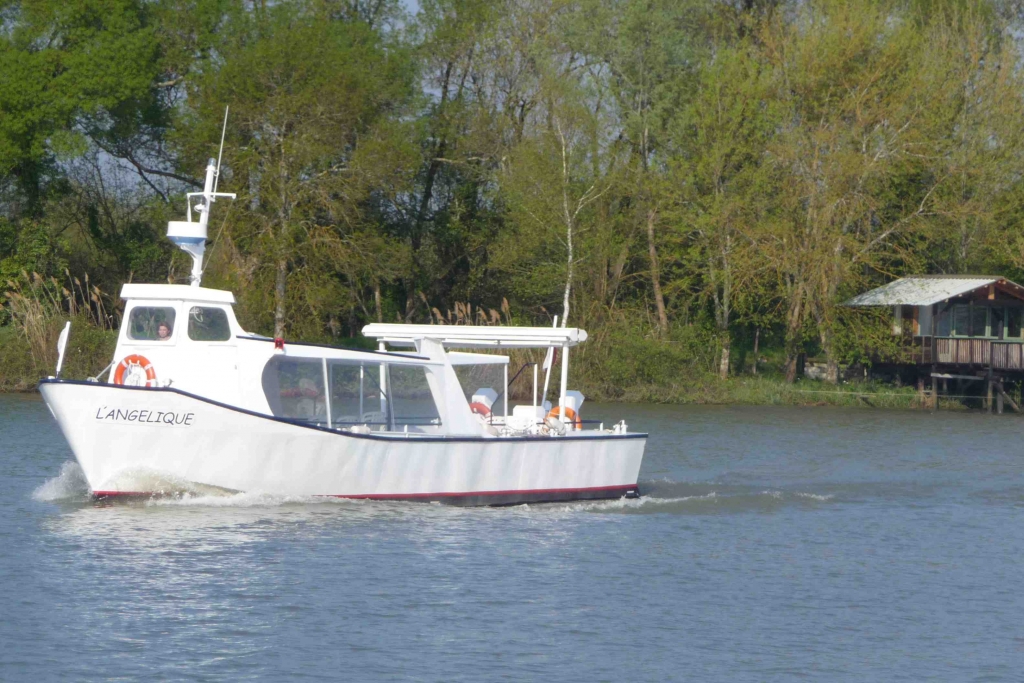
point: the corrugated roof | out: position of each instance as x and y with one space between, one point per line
925 290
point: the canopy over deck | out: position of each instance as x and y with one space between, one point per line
477 336
925 290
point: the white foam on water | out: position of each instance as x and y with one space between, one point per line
70 484
243 500
145 480
814 496
635 503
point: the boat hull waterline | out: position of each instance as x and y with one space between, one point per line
122 436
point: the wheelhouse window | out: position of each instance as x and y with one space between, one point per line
208 324
294 388
151 323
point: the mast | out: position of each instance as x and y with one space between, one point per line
189 235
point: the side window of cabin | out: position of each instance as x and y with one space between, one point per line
294 388
411 400
151 323
208 324
356 394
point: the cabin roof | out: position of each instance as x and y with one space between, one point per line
177 293
925 290
477 336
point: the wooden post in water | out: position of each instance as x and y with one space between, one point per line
935 389
920 392
988 391
1003 396
999 399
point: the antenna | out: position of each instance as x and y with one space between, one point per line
220 152
191 236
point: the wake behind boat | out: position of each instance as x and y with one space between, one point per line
193 398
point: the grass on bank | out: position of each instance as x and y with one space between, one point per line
642 375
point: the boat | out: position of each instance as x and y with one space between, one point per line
193 402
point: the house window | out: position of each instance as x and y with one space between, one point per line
970 321
979 317
997 320
962 320
1013 320
944 324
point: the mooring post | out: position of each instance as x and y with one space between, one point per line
999 398
988 391
935 389
922 401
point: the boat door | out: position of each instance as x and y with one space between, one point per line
209 363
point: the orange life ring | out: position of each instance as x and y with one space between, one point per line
138 361
570 415
480 409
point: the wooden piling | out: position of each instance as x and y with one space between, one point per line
1003 396
988 391
935 389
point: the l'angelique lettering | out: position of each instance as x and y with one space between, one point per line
145 416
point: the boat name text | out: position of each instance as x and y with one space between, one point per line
145 416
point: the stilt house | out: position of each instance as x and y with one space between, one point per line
956 320
958 327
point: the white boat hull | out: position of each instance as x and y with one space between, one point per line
122 436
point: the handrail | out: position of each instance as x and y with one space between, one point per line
514 378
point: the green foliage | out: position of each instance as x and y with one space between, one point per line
673 176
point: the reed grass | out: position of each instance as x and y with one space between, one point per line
37 308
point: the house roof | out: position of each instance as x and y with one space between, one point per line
925 290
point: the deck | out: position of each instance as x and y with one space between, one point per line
1000 355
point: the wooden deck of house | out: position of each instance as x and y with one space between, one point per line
979 353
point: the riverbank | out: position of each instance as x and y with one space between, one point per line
759 390
89 350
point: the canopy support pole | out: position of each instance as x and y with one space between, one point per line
534 385
327 393
565 381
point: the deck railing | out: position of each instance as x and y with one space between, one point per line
1001 355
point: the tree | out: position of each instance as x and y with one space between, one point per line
722 180
311 98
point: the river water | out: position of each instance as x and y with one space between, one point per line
770 544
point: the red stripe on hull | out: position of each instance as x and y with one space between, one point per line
511 497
